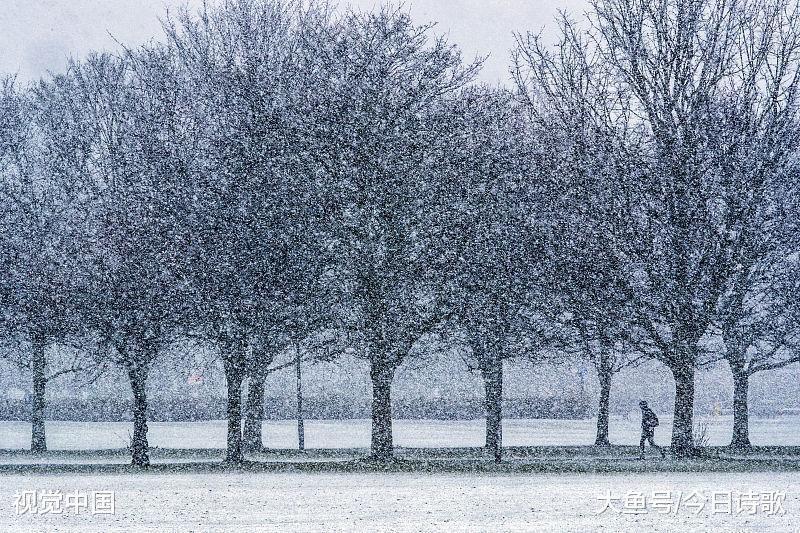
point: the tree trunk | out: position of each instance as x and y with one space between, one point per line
234 377
301 430
603 408
39 369
235 361
493 384
254 415
137 374
741 429
382 448
682 424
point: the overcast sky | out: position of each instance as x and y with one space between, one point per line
39 35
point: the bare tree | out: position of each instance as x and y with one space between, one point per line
369 114
655 81
42 191
758 329
140 156
489 247
259 267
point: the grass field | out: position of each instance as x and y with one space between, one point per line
782 431
550 480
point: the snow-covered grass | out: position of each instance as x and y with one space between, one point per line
434 487
246 501
781 431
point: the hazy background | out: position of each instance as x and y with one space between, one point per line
39 35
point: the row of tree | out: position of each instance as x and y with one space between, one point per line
276 174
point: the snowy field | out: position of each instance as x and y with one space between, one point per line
169 499
781 431
255 502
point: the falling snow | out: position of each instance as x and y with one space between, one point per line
292 266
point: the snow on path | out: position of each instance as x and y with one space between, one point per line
783 431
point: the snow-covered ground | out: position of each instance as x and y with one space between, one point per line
297 501
783 431
398 502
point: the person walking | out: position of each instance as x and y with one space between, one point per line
649 424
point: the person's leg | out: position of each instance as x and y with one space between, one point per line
652 442
641 445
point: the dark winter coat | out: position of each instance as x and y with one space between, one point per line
649 420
